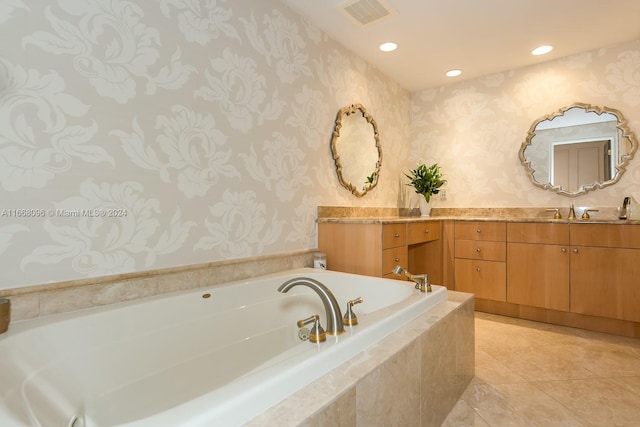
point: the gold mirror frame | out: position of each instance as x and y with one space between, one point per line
372 179
625 133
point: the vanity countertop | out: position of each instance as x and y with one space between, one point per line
355 215
376 220
544 220
408 219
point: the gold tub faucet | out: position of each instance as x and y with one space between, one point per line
421 280
331 307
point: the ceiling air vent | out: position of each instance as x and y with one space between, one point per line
367 11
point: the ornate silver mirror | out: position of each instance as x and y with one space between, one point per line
355 145
578 148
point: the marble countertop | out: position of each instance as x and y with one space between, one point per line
400 219
364 215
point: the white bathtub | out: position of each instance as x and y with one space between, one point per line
185 360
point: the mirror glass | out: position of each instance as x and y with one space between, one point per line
356 149
578 148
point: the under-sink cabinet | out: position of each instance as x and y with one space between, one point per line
375 248
605 267
576 274
538 265
480 259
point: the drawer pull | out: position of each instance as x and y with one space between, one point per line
478 250
478 269
477 230
575 251
426 231
563 250
396 235
396 259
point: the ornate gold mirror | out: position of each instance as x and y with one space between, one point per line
578 148
355 145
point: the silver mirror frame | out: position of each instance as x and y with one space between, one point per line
346 111
625 134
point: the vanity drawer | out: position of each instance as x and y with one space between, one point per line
606 235
418 232
481 230
392 257
531 232
485 279
481 249
394 235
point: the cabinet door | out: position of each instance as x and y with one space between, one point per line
352 248
538 275
485 279
604 282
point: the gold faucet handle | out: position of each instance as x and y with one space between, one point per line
317 333
556 215
585 214
350 318
422 282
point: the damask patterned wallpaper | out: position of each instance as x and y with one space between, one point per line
474 129
143 135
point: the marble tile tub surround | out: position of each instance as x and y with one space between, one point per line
530 213
43 300
413 377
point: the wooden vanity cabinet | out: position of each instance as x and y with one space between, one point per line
480 259
374 249
538 259
605 270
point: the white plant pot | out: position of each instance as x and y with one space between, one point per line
425 209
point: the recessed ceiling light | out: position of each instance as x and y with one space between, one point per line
388 46
453 73
541 50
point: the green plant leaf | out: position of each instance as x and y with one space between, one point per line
426 180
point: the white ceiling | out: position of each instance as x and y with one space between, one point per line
480 37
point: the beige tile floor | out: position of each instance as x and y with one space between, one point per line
536 374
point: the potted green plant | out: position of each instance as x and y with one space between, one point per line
426 180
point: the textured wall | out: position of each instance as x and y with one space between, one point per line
144 135
474 129
207 123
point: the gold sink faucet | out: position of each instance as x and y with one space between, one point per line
556 215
